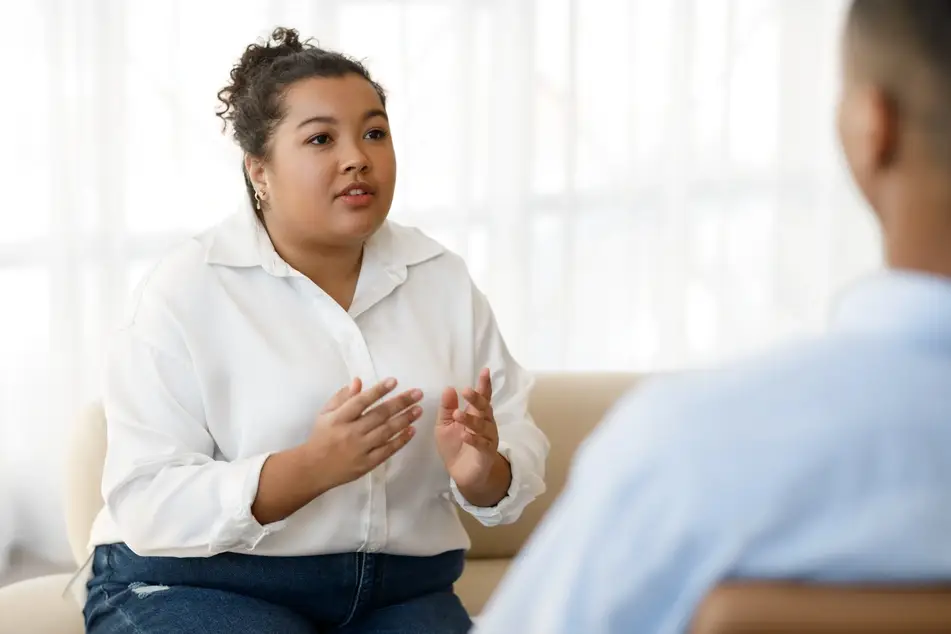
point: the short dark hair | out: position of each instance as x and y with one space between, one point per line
906 47
253 102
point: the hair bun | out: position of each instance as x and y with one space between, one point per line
288 39
257 57
282 42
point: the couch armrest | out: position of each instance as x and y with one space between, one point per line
39 607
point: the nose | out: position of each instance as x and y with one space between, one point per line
356 162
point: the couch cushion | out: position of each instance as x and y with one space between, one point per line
566 407
37 606
478 582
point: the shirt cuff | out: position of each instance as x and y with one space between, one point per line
242 530
524 488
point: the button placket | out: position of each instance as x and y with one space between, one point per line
357 356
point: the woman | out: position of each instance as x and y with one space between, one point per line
263 474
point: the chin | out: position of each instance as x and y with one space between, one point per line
360 225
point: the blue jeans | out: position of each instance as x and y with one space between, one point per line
357 593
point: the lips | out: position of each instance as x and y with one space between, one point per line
356 188
357 195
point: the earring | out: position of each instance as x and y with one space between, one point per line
258 197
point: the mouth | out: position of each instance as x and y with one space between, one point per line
357 194
357 188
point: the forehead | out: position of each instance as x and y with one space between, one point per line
343 98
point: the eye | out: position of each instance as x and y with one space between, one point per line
320 139
375 134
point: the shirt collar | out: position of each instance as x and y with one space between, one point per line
241 241
904 303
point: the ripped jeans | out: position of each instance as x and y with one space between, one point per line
355 593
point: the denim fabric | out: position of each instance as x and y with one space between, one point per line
354 593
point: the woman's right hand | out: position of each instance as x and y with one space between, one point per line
352 436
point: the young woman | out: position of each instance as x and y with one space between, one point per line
263 472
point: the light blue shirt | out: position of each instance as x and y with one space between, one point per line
829 460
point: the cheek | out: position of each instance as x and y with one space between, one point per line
308 173
384 164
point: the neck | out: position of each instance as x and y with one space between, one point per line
335 269
327 267
916 220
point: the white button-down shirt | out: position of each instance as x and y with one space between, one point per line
228 355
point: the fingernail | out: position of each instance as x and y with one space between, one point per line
389 384
417 411
417 394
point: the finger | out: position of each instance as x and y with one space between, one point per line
478 402
393 426
448 403
473 422
354 407
388 409
484 384
479 442
381 454
342 395
483 389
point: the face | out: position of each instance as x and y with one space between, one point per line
331 170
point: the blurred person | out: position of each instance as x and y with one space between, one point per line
826 461
263 474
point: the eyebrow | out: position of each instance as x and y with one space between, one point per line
369 114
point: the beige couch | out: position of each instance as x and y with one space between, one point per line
565 406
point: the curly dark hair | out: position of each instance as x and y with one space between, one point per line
252 104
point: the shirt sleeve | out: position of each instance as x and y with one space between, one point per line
163 488
521 442
618 552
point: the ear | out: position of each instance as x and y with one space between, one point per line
868 129
254 167
881 124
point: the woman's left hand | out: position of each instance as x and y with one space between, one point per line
468 440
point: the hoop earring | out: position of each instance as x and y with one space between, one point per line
258 198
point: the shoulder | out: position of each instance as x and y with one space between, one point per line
179 276
788 371
421 254
706 418
182 278
172 297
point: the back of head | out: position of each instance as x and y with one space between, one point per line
904 48
895 124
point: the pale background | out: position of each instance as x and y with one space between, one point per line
637 185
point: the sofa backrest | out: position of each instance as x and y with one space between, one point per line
85 457
566 407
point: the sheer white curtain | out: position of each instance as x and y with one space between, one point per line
636 184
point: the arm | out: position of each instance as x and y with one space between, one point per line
518 474
167 493
493 490
287 484
161 485
619 551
